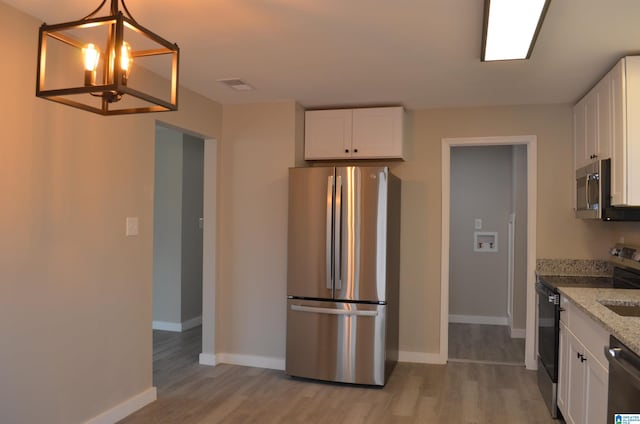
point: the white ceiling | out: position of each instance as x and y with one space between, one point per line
419 53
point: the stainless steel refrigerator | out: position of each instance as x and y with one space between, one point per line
343 272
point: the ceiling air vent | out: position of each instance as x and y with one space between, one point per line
236 84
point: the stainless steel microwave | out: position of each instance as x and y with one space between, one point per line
593 195
589 191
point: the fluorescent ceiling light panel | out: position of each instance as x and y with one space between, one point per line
511 28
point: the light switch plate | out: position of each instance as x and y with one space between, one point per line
132 226
478 224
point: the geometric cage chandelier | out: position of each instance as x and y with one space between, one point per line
109 65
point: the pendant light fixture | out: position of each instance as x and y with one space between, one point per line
108 65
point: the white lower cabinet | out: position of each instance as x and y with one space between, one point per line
583 377
563 369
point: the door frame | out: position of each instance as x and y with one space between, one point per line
531 142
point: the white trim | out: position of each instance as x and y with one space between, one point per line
250 360
176 327
421 357
478 319
518 333
208 359
209 247
125 408
532 168
511 266
444 249
477 361
191 323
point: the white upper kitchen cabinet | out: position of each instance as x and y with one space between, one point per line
364 133
580 134
625 122
592 124
607 126
327 134
603 112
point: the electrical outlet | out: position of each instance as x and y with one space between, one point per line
478 224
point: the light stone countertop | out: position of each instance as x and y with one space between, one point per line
625 329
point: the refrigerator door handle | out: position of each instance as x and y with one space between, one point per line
337 251
329 311
329 268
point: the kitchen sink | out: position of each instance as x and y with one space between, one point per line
623 310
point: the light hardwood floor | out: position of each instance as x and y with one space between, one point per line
458 392
484 343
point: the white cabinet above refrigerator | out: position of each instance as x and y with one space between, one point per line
363 133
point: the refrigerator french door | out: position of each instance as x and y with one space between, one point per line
342 282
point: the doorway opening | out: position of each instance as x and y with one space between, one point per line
487 261
183 248
488 250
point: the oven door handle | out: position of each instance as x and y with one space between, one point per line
614 355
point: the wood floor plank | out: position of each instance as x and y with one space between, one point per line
479 342
471 393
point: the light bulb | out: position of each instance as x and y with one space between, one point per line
91 57
125 57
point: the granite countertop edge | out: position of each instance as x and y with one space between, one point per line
625 329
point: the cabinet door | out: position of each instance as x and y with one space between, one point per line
563 372
596 388
603 95
576 391
632 82
592 126
327 134
378 132
580 133
619 137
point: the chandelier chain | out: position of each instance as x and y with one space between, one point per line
124 6
95 11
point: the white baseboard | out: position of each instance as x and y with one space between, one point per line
191 323
518 333
421 357
208 359
250 360
177 327
126 408
478 319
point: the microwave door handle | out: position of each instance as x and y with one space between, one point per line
591 178
587 191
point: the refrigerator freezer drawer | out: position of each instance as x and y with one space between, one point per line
334 341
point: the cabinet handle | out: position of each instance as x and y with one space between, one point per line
355 150
346 150
582 358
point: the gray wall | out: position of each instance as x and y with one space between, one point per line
167 227
480 188
192 202
177 247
